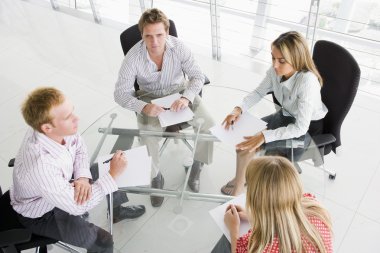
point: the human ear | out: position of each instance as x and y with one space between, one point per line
46 128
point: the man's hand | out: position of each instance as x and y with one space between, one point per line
179 104
82 190
232 221
152 110
118 164
251 143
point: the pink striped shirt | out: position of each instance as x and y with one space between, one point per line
42 172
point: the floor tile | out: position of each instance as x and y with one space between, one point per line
362 236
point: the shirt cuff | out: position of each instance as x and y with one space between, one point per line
83 173
189 95
269 135
243 108
140 106
108 184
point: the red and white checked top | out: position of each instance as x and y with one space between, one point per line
242 243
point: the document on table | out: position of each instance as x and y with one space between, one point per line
138 168
247 125
218 215
168 118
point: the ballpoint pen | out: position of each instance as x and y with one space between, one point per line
232 125
166 108
107 161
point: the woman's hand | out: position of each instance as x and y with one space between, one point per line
232 221
232 118
251 143
242 213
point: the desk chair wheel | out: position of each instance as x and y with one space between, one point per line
332 177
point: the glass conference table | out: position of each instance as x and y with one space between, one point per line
118 129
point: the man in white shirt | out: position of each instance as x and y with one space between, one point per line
158 63
51 153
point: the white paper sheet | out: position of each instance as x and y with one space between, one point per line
168 118
218 215
138 167
247 125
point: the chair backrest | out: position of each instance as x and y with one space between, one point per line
341 75
8 216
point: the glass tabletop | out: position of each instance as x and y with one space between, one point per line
119 129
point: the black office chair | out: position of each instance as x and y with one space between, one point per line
14 237
341 75
10 237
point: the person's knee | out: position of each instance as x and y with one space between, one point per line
104 239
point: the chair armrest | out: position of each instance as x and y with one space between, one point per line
323 139
14 236
11 162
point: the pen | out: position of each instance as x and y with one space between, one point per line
232 125
107 161
166 108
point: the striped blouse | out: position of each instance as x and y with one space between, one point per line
137 65
42 172
300 96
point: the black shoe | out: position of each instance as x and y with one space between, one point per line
195 173
157 183
130 212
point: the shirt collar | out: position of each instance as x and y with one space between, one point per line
288 83
51 146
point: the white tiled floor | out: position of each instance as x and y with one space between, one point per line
39 46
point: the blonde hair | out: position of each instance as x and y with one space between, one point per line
153 16
277 208
36 107
294 48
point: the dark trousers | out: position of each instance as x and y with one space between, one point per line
70 229
222 246
277 120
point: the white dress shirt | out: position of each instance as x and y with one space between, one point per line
300 96
42 172
137 64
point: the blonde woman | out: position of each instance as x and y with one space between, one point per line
296 84
283 219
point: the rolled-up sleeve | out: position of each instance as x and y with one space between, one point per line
193 71
60 193
124 87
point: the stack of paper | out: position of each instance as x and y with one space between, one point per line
138 168
218 215
247 125
168 118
